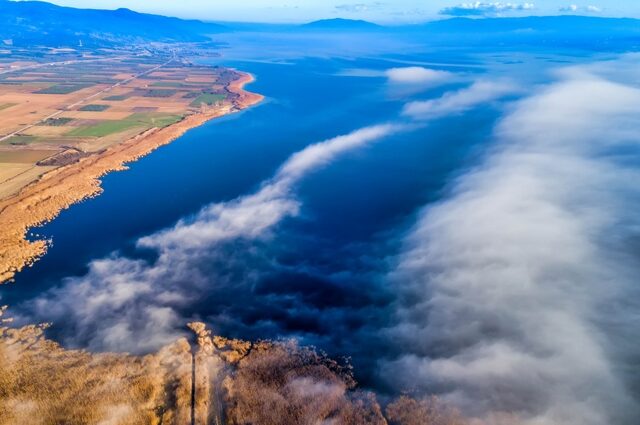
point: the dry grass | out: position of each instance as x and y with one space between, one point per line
24 156
43 384
261 384
15 176
427 411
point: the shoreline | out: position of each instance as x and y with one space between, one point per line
43 200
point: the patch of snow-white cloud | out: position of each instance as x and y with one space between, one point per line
480 92
418 75
479 8
574 8
359 7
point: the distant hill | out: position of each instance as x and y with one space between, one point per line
341 24
35 22
580 32
567 31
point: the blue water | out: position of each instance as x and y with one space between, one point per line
306 103
354 212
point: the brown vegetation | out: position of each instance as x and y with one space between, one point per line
265 383
429 411
288 384
43 384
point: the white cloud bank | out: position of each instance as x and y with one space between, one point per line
359 7
479 8
519 292
250 216
403 82
574 8
460 101
418 75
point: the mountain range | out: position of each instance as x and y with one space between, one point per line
28 23
33 22
341 24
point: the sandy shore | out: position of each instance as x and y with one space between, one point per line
58 189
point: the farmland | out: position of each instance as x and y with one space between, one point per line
66 121
207 99
92 101
96 108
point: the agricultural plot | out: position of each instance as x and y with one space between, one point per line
167 84
19 140
57 122
45 133
141 120
208 99
24 156
116 97
103 129
90 105
63 88
159 93
94 108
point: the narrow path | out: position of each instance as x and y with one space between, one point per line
193 385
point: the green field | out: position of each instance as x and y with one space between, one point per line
57 122
104 128
155 119
63 88
167 84
117 97
208 99
6 105
142 121
159 93
94 108
19 140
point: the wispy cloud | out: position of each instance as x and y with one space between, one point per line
518 293
574 8
418 75
359 7
409 75
252 215
460 101
130 304
486 8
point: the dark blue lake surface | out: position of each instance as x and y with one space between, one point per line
355 211
352 201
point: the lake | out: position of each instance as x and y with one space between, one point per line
316 277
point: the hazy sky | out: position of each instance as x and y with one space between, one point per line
380 11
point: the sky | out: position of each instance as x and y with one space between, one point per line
384 11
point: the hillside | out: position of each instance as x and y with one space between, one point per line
27 23
341 24
580 32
